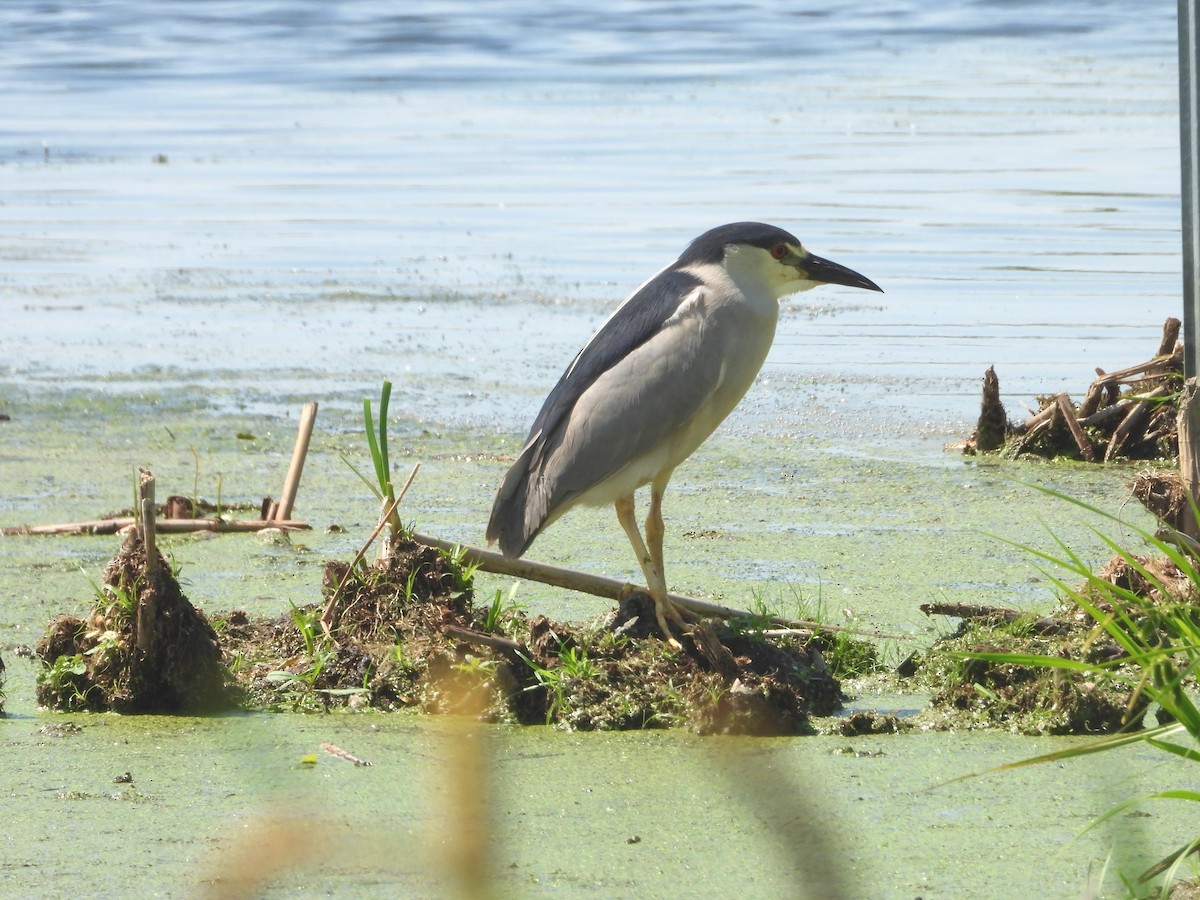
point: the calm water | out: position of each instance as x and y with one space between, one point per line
378 190
244 205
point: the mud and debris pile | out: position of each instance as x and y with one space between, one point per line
121 660
972 688
1129 414
404 632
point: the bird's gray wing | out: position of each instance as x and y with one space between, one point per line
635 384
632 324
642 405
513 522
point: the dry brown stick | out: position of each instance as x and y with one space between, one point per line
1170 335
147 609
611 589
335 750
1188 431
1067 409
1113 411
1169 355
1091 401
385 517
970 611
483 639
174 526
1043 416
1151 367
1141 371
327 612
146 502
388 514
291 484
1133 423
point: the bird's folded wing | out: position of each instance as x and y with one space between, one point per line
633 412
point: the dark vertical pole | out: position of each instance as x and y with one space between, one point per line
1188 421
1189 123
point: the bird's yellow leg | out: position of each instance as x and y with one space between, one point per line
654 541
655 583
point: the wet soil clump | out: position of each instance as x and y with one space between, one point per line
974 687
405 633
123 659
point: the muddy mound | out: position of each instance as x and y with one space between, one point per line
144 648
405 633
975 689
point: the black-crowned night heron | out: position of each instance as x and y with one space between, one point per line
652 384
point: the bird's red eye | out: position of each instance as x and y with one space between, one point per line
779 251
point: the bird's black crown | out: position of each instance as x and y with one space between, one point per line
710 246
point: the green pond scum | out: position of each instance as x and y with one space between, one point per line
863 539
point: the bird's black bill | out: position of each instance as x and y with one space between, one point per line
825 271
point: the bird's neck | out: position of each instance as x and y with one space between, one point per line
729 281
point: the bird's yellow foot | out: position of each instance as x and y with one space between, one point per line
666 613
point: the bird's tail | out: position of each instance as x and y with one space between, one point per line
515 520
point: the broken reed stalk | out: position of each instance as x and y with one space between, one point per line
1188 430
291 484
162 526
1170 337
971 611
611 589
1137 420
147 609
1067 411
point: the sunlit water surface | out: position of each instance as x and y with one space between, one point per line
244 205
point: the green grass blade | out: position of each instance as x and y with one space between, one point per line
385 396
373 445
363 478
1104 745
1033 659
1187 753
